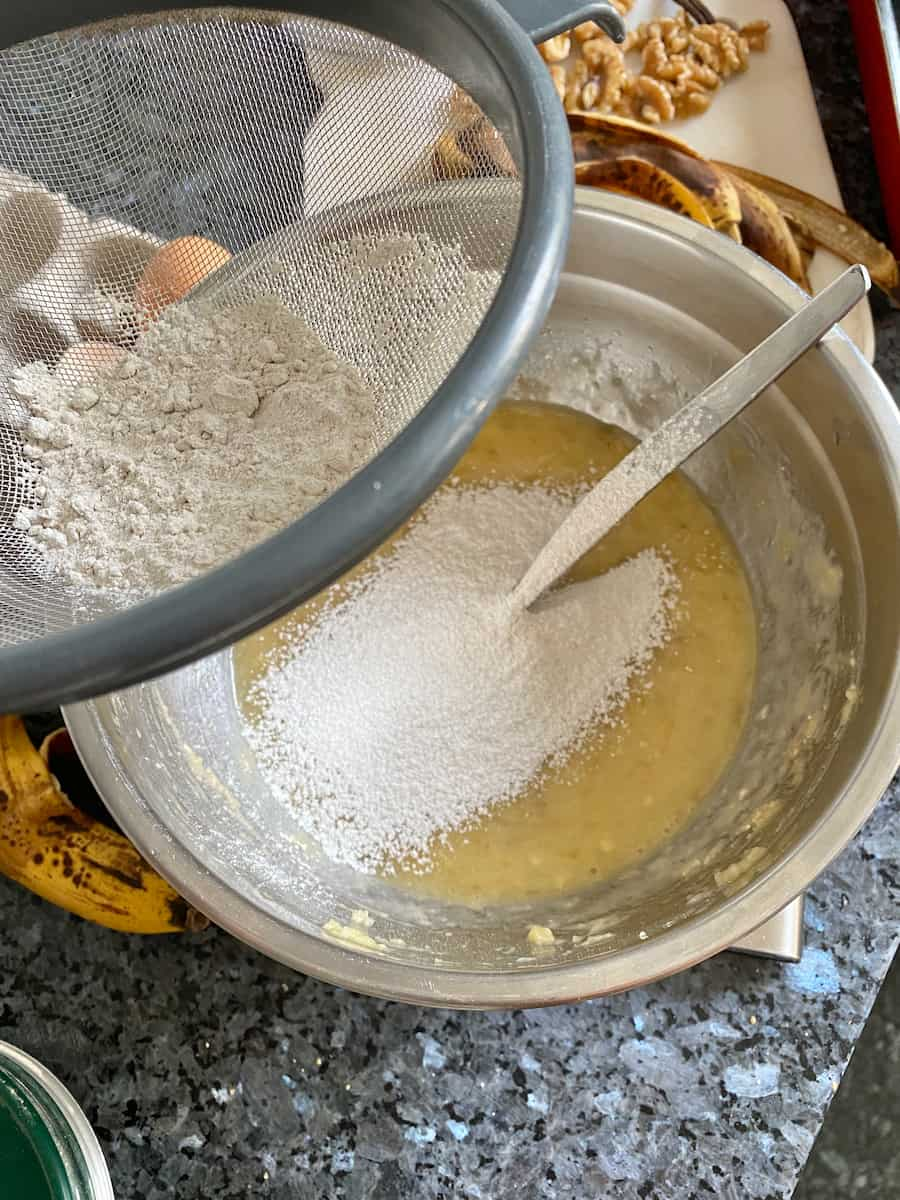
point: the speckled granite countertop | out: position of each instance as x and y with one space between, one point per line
209 1071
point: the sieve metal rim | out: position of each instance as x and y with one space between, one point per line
213 611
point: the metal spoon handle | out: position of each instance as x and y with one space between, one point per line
684 433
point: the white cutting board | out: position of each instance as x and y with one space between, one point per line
767 120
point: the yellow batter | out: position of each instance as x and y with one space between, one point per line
632 787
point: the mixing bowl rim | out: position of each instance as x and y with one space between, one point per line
546 984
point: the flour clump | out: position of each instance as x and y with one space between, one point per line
145 467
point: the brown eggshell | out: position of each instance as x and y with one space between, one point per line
174 270
87 360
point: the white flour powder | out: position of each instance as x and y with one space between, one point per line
214 433
418 701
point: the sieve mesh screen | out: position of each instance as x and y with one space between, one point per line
305 144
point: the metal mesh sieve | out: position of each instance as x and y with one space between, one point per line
306 148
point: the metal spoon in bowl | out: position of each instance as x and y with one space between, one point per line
648 464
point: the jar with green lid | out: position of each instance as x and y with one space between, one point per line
48 1151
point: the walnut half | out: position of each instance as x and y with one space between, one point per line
681 66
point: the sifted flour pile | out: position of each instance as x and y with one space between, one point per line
418 700
146 467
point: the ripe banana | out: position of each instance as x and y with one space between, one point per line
828 227
601 139
636 177
69 858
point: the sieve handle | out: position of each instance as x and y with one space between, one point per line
542 19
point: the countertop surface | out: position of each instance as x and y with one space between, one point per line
209 1071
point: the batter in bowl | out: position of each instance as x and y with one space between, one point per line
630 785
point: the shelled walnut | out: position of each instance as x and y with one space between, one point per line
680 66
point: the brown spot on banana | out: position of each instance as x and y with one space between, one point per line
601 139
765 231
135 882
638 178
51 847
627 132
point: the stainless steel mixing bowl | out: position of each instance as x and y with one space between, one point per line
651 308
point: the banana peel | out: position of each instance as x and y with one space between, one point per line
602 139
765 231
609 130
475 151
70 858
636 177
828 227
779 222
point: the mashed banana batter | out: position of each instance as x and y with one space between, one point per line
632 786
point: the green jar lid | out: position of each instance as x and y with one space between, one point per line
48 1151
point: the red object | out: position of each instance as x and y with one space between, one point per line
878 51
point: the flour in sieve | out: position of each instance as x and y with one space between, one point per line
417 701
215 432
